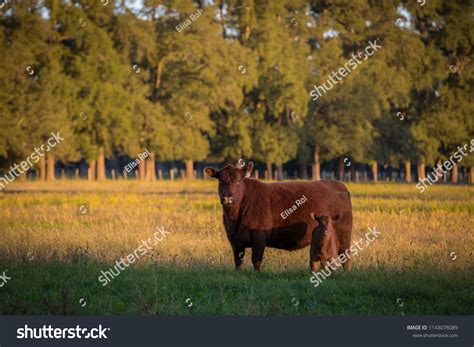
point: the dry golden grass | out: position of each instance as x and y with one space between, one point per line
416 228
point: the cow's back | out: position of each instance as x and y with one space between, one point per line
264 203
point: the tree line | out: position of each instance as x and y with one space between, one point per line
215 81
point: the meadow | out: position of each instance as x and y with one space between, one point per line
56 238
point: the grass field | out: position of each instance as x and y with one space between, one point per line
54 251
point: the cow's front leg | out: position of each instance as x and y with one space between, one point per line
258 248
239 253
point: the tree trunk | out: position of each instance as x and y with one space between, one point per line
407 171
142 170
22 177
421 171
50 167
42 169
439 164
269 170
246 32
374 171
150 167
221 13
101 164
159 72
302 170
340 169
455 174
280 172
316 164
471 175
353 172
189 169
91 170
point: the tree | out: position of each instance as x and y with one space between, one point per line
280 90
99 77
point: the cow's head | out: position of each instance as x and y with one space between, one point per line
230 179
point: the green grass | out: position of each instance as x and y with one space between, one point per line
56 288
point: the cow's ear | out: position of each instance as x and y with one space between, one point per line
248 169
211 172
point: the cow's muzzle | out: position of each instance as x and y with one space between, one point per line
227 201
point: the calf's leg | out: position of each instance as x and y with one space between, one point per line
324 263
314 265
313 258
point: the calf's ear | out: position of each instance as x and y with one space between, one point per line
319 219
211 172
248 169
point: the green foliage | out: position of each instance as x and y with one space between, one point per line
235 82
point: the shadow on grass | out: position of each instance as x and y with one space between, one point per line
72 289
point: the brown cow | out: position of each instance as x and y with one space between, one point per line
277 215
324 241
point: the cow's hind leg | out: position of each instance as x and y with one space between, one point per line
344 232
347 264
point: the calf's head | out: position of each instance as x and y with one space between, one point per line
231 187
324 224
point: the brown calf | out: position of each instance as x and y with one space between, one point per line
324 242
